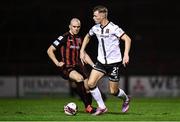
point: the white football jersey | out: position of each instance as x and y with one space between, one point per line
108 47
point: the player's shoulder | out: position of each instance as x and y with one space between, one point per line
63 36
66 34
96 26
113 25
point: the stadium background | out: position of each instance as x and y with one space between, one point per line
28 27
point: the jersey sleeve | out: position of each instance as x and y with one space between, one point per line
91 32
118 32
59 41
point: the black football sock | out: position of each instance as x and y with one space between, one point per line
81 90
89 98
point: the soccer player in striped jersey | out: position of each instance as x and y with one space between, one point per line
109 59
69 47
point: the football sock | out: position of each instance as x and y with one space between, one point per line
122 94
97 96
81 91
89 98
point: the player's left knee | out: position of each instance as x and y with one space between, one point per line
114 92
79 79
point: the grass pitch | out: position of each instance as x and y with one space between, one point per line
51 109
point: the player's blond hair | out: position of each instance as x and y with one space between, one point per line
101 9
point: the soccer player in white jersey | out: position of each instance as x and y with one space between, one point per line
109 57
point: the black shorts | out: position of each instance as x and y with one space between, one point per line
111 70
80 69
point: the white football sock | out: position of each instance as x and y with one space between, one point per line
122 95
97 96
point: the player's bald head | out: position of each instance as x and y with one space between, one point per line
74 26
75 20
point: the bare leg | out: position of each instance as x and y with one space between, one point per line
92 83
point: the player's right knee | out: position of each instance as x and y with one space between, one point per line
91 85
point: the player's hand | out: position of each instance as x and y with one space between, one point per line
125 60
60 64
83 57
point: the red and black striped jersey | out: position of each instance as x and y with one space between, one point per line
69 47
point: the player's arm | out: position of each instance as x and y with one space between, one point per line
52 56
50 51
127 40
83 46
88 60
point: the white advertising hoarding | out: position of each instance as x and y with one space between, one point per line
42 85
154 86
8 86
139 86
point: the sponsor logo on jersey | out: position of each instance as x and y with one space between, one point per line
60 37
104 36
107 31
74 47
56 42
